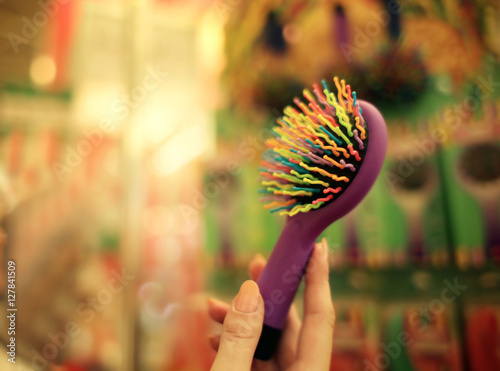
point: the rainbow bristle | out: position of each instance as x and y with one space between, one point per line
317 150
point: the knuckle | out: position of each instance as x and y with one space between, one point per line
299 365
330 319
238 329
324 317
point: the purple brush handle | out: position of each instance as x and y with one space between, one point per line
280 279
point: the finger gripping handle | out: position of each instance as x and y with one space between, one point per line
280 280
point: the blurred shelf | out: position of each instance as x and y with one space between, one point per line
384 284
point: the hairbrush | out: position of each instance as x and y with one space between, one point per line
322 161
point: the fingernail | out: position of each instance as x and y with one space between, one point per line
213 302
247 299
320 247
258 257
325 244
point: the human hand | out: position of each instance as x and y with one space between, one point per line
304 346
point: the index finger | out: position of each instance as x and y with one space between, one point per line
316 336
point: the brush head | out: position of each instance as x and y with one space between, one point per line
317 151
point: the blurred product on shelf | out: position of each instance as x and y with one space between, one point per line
45 214
422 341
482 337
471 171
356 336
409 197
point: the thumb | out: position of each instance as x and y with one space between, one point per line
241 330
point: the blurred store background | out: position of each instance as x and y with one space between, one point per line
130 142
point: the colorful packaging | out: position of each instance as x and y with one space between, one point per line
419 335
471 174
356 334
403 218
482 335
